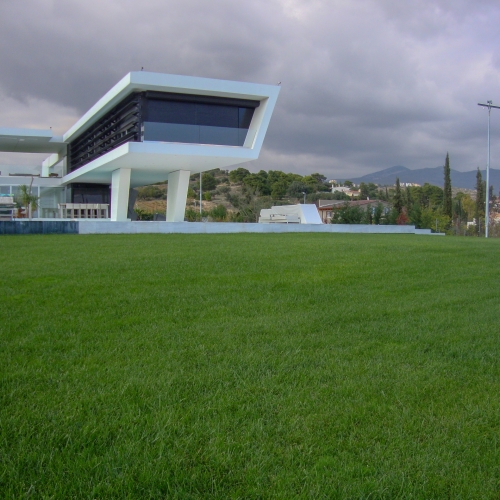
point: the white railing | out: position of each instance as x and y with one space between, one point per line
83 210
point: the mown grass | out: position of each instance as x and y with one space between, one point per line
249 366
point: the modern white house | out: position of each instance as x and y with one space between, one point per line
149 127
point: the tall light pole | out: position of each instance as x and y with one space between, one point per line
489 105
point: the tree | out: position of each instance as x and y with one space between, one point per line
363 191
480 195
429 196
468 206
258 182
368 215
415 214
408 198
493 198
237 176
373 192
431 218
316 182
447 196
296 189
349 215
208 183
278 189
320 178
379 212
26 199
398 197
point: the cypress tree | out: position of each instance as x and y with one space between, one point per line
447 197
398 197
480 195
409 198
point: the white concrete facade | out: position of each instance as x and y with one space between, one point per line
143 162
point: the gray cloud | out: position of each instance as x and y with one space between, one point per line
367 84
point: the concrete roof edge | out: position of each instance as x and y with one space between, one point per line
143 80
26 132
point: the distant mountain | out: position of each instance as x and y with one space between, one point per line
431 175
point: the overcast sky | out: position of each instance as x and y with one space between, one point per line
366 84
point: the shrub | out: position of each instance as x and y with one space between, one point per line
151 193
223 190
143 214
349 215
208 183
219 213
194 215
402 219
236 217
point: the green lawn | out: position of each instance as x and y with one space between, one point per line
249 366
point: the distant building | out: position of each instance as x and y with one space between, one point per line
327 207
340 189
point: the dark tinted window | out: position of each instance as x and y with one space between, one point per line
245 117
217 116
189 113
90 193
171 112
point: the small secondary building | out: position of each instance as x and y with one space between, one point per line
147 128
290 214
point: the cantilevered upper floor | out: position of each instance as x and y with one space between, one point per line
156 123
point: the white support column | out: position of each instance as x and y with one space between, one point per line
49 162
120 187
178 183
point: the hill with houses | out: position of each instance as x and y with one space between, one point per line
434 176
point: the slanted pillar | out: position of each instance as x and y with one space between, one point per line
120 187
178 183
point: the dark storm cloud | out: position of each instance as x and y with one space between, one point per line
367 84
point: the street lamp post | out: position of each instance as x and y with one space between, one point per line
489 105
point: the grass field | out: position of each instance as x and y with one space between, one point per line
249 366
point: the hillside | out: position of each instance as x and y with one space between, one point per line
387 177
241 193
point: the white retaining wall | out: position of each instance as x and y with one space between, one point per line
129 227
